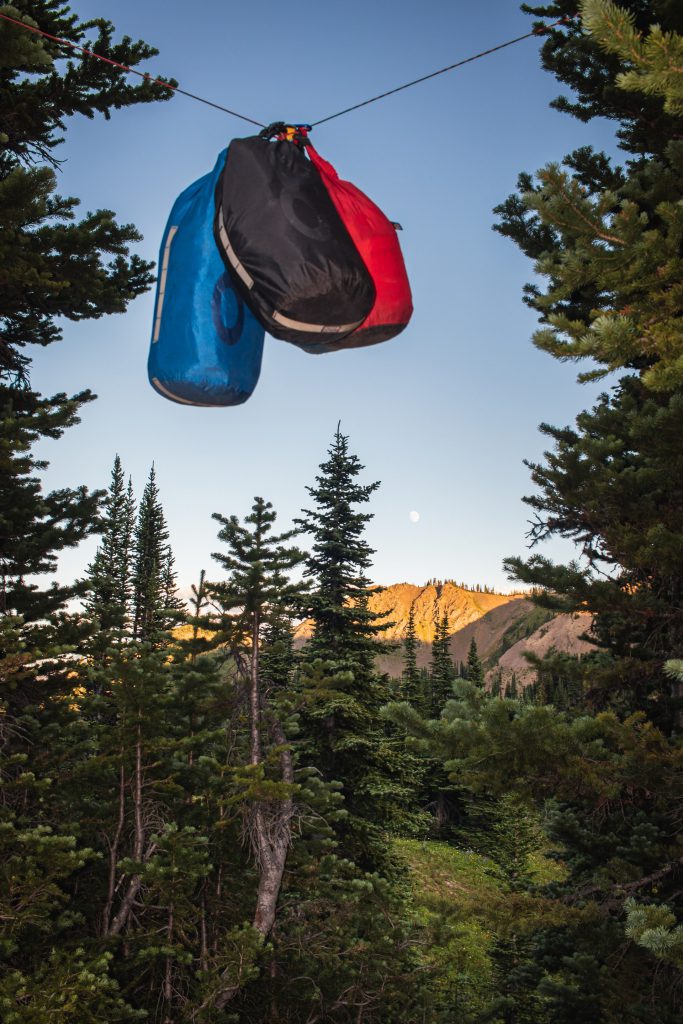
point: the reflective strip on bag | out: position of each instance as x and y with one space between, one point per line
279 318
231 254
162 283
296 325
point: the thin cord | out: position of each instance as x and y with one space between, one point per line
226 110
130 71
442 71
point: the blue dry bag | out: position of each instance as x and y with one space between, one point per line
206 345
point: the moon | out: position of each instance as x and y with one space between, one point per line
414 516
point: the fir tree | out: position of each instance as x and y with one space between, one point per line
411 689
342 690
259 566
345 630
54 268
36 527
605 241
442 673
475 669
109 574
154 597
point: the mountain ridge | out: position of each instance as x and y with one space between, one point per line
502 625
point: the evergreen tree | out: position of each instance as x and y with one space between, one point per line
344 629
109 574
342 690
35 527
606 241
578 965
54 267
411 688
154 597
442 673
278 657
259 566
475 669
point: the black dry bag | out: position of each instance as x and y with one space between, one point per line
287 248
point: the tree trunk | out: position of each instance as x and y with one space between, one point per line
255 694
114 850
123 914
168 974
274 839
272 828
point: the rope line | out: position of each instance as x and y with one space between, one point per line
539 31
130 71
442 71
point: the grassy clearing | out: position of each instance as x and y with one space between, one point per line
450 888
462 907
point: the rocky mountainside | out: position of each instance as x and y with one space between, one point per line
561 633
503 625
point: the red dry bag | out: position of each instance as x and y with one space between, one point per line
375 237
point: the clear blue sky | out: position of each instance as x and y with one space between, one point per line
444 414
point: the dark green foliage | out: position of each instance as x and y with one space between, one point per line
607 243
561 678
258 565
154 599
342 690
613 485
345 630
568 767
411 688
35 527
442 672
109 575
591 73
475 669
52 265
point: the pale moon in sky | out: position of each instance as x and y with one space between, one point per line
414 517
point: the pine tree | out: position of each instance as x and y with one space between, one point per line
36 526
475 669
345 630
442 672
259 567
606 246
154 597
411 689
342 690
108 576
54 268
278 657
605 240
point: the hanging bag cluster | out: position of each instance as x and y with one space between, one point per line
272 240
